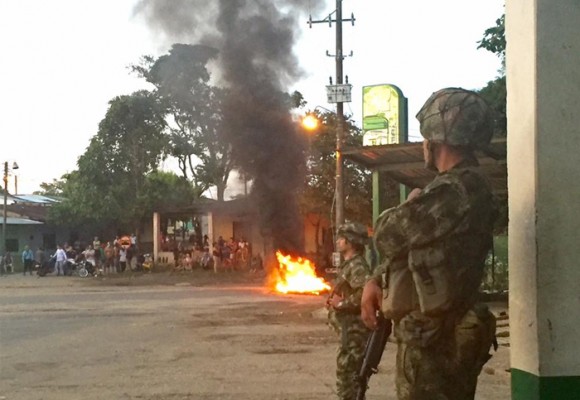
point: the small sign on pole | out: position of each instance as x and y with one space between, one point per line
339 93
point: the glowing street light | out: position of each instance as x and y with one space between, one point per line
310 122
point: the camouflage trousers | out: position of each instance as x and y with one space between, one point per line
353 339
447 369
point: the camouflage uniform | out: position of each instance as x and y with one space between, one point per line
433 250
346 320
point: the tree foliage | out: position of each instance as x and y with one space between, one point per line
107 189
52 189
495 92
165 190
181 79
494 40
318 194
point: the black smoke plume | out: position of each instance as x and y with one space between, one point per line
257 64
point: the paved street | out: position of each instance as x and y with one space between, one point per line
68 338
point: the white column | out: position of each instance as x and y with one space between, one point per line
210 227
156 235
543 86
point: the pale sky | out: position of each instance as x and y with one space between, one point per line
63 60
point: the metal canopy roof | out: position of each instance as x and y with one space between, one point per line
404 163
19 221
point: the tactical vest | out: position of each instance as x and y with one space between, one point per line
433 280
444 274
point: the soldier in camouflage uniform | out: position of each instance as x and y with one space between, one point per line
344 308
433 248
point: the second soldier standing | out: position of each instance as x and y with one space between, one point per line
344 305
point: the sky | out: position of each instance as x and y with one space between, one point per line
62 61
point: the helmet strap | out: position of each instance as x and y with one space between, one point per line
430 161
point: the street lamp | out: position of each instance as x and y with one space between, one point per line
311 122
6 170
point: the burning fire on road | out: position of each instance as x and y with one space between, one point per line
298 275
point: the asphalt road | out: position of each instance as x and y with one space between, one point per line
69 339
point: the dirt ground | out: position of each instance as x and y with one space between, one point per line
180 336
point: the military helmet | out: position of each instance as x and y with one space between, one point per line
457 117
354 232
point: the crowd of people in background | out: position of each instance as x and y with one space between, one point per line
123 254
109 257
232 255
235 254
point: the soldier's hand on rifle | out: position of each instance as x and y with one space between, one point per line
371 303
334 300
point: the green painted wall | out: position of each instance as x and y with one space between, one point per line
526 386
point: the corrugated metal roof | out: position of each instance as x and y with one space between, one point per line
35 198
19 221
29 210
404 163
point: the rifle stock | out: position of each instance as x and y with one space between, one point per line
373 352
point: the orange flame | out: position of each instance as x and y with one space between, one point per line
298 275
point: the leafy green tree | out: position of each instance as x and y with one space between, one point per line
495 92
318 194
130 141
494 40
165 190
52 189
103 192
181 79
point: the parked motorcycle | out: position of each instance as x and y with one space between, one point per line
85 268
47 267
71 267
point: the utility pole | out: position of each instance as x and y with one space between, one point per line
5 178
4 219
339 94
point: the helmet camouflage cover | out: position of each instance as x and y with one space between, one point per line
457 117
354 232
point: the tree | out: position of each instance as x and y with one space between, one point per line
165 190
495 92
53 188
317 196
494 40
103 192
181 79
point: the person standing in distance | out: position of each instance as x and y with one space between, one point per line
60 258
27 260
433 249
344 308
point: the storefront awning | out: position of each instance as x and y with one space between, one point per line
404 163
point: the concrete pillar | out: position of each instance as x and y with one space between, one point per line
210 227
543 86
156 235
380 200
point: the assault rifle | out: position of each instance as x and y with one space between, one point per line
337 289
373 353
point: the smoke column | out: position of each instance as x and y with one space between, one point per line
257 64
